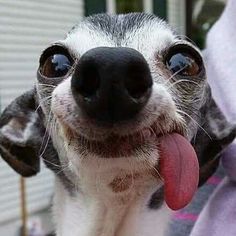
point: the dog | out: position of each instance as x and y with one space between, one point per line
122 113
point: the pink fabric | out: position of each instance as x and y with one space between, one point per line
221 61
214 180
186 216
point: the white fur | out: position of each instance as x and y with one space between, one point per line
97 211
149 39
82 216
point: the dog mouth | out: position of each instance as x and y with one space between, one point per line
177 161
116 146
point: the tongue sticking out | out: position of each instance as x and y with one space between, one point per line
180 170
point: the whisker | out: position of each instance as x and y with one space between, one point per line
53 124
150 167
184 113
184 37
47 85
42 101
193 110
181 81
177 72
48 134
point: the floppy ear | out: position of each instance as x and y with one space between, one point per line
21 134
216 133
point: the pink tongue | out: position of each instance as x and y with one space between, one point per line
180 170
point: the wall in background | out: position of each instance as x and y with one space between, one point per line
27 27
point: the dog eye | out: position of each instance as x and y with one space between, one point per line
184 61
55 62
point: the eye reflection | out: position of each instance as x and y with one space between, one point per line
183 60
184 64
55 64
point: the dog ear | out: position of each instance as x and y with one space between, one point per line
21 134
213 136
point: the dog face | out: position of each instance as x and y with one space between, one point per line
120 79
108 90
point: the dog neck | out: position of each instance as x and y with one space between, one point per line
109 203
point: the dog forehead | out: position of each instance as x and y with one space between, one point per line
144 32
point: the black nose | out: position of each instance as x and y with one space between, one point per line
111 84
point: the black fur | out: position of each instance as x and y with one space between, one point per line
213 136
23 154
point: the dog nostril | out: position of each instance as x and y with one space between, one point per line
88 84
138 86
138 81
88 81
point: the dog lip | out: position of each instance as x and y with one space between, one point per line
115 145
178 130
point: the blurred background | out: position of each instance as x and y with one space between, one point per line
26 28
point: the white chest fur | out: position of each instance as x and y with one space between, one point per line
111 201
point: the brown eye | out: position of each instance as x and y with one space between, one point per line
184 61
55 62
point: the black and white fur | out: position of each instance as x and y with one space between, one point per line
46 123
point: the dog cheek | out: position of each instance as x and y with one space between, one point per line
163 106
62 104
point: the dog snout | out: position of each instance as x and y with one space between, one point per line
111 84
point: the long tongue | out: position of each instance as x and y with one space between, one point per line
180 169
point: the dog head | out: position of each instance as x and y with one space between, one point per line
108 91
